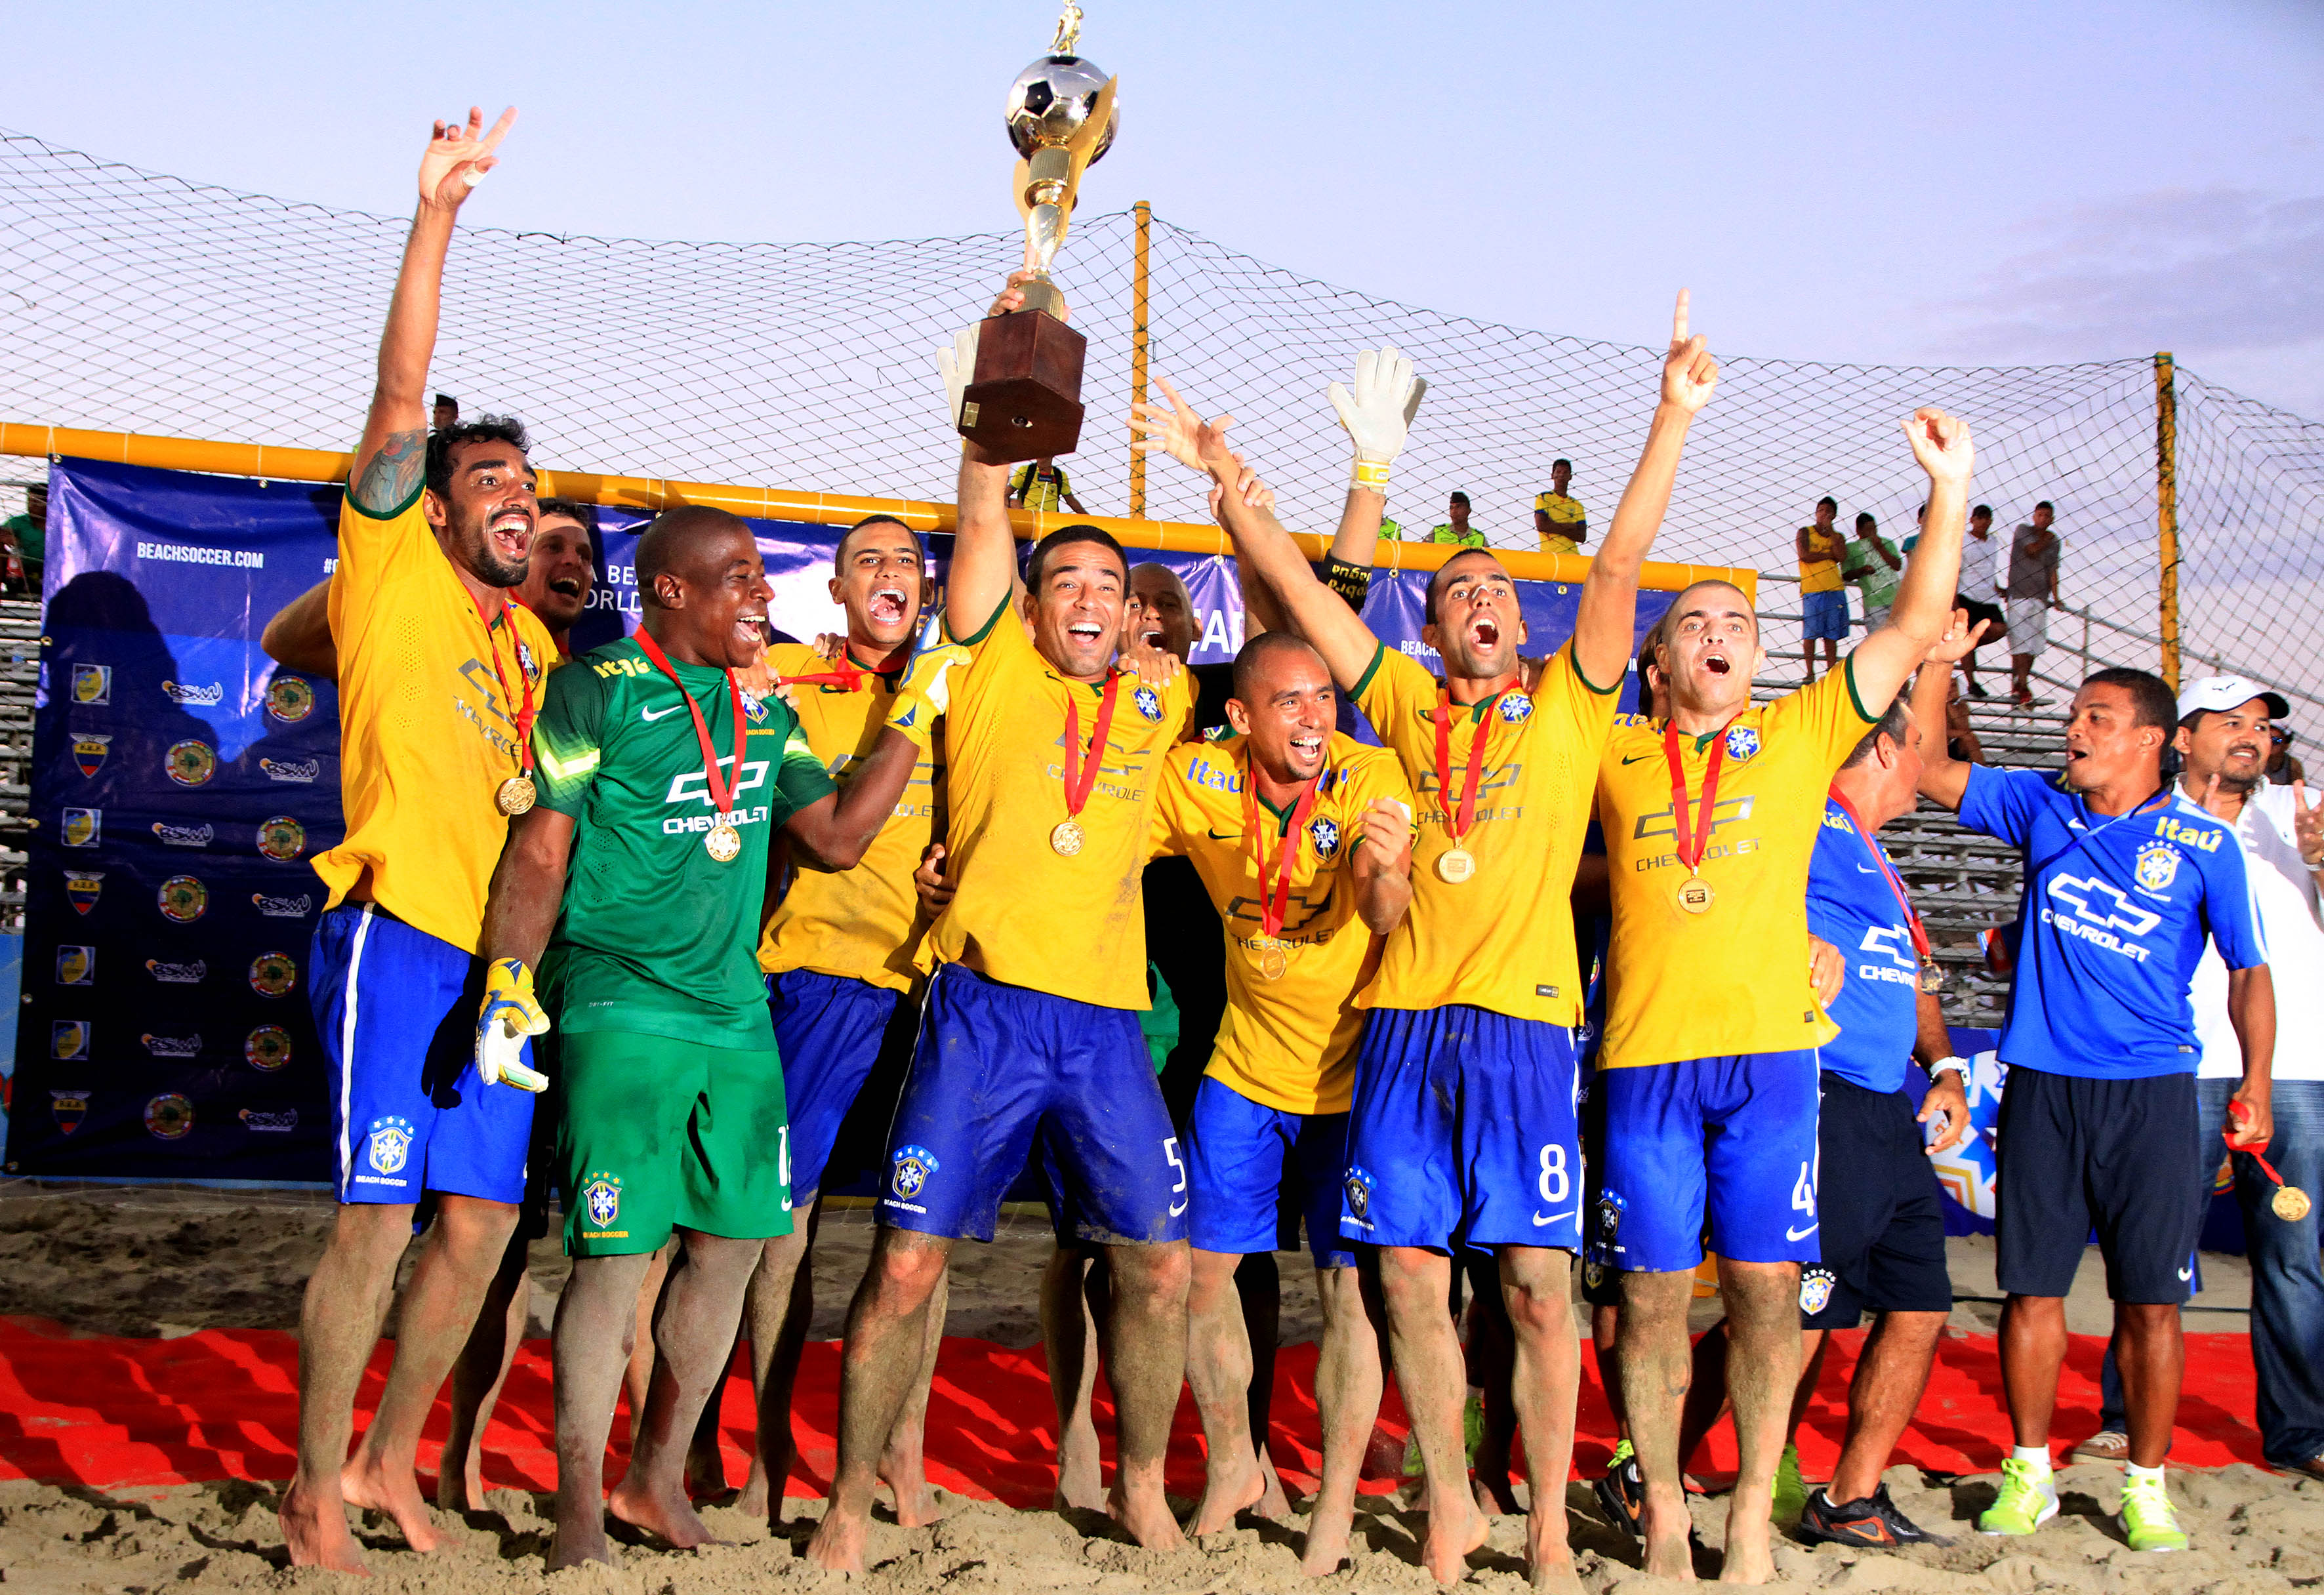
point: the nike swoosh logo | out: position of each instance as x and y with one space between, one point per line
657 714
2186 1273
1866 870
1541 1219
1799 1234
1634 758
1176 1208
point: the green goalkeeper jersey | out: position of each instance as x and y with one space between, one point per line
656 935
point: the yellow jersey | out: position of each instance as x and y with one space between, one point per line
1502 940
1037 489
1733 979
864 923
1564 513
1822 575
1289 1042
427 731
1026 915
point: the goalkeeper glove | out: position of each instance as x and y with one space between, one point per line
958 364
510 1015
1376 412
926 691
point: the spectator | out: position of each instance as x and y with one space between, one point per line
1455 530
26 540
1873 564
1823 600
1961 737
1043 485
2282 768
2030 594
1980 587
446 413
1558 518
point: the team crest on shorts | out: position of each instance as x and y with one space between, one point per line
389 1143
1609 1215
1816 1285
1325 834
1742 741
168 1117
290 699
2158 866
601 1197
191 764
1148 702
1593 1273
914 1164
1359 1187
1515 708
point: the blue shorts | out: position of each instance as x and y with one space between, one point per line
396 1011
1823 614
1241 1157
996 1064
1737 1134
830 1030
1464 1131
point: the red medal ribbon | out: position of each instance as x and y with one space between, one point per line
1274 895
1693 841
524 715
719 797
844 674
1082 777
1459 817
1896 884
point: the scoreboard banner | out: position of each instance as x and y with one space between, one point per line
181 781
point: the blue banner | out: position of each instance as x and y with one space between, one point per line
181 781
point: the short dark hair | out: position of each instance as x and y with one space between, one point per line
2046 504
1567 464
839 549
572 509
1436 578
448 399
1828 499
1037 563
1460 498
2150 700
1983 510
485 429
1895 725
658 543
1253 656
1866 518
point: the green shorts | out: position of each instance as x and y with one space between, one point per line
656 1133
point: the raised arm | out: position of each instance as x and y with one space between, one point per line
1924 598
1604 625
299 634
394 447
1943 778
983 574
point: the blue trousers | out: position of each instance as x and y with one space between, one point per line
2287 1324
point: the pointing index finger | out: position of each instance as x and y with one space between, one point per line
1678 320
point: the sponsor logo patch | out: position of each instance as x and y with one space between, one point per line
301 771
191 764
84 828
178 974
168 1117
92 684
274 975
187 696
69 1040
89 751
76 966
290 699
283 838
82 889
271 1123
173 1046
184 898
282 908
184 835
267 1048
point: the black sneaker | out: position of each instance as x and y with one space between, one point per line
1622 1492
1977 690
1872 1524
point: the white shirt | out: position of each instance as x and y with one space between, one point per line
1980 567
2291 922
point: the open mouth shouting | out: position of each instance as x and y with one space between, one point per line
1087 633
511 532
1484 633
750 628
1715 662
565 586
1307 748
886 606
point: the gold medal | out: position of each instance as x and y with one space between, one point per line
1933 976
514 796
723 843
2290 1203
1694 895
1274 961
1455 864
1066 838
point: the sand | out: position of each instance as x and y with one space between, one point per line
168 1262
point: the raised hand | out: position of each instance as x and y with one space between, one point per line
1183 435
1942 443
1254 493
1690 375
2308 826
460 155
1953 644
1377 410
1388 827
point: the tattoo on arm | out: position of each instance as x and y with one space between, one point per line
389 476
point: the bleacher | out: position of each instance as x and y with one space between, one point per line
19 678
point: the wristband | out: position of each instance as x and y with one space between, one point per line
1957 1065
1370 473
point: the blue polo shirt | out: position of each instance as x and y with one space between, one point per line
1851 905
2117 909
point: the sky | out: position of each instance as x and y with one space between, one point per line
1979 183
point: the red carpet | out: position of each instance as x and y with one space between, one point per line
114 1412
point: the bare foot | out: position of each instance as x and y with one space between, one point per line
1274 1506
1668 1532
1080 1487
1495 1495
1445 1554
315 1530
1549 1559
907 1479
396 1491
578 1542
1328 1530
1146 1514
838 1542
1750 1555
1229 1485
667 1516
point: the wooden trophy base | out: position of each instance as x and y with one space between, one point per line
1024 399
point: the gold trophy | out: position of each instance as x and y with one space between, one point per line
1024 400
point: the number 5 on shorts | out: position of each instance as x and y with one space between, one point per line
1170 1150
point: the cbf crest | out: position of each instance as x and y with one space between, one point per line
914 1164
1515 708
601 1197
1325 834
2158 866
1742 741
1149 704
1816 1285
1360 1184
389 1144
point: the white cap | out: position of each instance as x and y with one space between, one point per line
2222 693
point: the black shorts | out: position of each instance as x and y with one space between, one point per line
2118 1155
1878 1212
1602 1285
1978 610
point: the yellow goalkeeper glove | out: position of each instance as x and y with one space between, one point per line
926 691
510 1014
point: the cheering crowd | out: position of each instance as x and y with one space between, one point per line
1530 981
